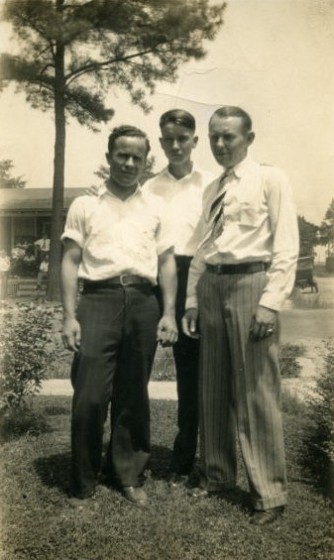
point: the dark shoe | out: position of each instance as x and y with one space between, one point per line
176 480
135 495
266 516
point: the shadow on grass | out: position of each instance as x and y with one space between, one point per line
54 471
159 461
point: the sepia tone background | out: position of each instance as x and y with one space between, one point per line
272 57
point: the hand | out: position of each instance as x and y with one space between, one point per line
263 323
71 334
190 322
167 330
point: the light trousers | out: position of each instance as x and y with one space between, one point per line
239 390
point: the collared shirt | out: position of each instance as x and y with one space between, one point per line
259 224
184 202
118 236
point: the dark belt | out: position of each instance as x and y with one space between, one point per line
242 268
116 281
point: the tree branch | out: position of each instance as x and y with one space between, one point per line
92 67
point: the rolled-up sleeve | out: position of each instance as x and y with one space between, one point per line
74 226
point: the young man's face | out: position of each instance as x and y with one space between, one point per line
127 160
177 142
229 140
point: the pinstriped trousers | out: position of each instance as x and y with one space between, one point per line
239 390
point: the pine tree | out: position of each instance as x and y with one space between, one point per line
74 52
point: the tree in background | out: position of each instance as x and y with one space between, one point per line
7 181
72 53
307 236
326 235
328 226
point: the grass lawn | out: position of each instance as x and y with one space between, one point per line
38 523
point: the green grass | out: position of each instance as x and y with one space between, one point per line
38 523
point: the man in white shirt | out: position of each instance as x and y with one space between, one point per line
117 243
42 247
181 185
238 280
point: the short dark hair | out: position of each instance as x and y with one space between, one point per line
231 111
178 116
126 130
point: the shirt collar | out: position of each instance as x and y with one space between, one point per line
242 167
104 191
195 171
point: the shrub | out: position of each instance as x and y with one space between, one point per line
319 437
15 423
289 353
25 350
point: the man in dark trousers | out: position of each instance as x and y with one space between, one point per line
181 185
117 243
238 280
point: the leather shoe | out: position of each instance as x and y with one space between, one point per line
135 495
80 502
266 516
176 480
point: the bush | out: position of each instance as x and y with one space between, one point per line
15 423
26 349
319 437
290 366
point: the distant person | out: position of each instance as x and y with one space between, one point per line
29 262
17 256
4 272
117 243
42 247
240 276
181 185
43 272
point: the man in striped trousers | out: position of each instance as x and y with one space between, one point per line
238 280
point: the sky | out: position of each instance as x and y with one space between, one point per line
271 57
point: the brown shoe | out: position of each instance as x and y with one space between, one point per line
266 516
135 495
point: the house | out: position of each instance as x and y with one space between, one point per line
25 214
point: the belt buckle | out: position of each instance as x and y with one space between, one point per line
122 281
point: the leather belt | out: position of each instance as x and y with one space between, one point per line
116 281
242 268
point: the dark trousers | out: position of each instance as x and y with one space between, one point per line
186 356
118 339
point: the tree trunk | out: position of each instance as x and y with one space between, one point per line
58 177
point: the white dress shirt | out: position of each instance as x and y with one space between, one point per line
184 202
259 224
118 236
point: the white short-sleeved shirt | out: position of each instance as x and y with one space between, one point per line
118 236
183 198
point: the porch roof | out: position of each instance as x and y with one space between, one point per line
27 200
